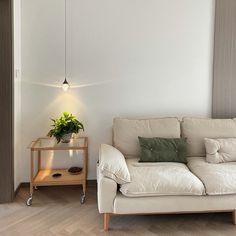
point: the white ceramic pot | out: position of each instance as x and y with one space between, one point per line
66 138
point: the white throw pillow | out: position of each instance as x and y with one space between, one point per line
112 164
220 150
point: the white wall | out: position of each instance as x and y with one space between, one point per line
125 58
17 93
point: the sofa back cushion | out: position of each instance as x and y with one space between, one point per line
196 129
126 132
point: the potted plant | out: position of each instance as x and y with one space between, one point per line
64 127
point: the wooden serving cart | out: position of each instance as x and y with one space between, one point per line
44 177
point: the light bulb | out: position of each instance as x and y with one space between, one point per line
65 85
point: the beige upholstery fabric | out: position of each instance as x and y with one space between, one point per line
196 129
220 150
112 164
218 179
107 191
126 132
170 204
161 178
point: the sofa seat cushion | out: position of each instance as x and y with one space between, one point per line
160 178
218 179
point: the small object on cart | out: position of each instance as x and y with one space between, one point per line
75 170
56 175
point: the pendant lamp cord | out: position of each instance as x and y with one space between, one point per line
65 43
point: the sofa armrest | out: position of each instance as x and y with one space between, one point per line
111 171
112 164
106 193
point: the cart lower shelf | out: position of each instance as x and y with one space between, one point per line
44 178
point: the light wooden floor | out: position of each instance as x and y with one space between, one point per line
57 211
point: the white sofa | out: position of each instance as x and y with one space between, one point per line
157 188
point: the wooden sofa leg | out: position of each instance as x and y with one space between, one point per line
234 217
106 221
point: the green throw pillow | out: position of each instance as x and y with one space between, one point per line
163 149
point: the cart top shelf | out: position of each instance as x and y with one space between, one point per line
46 143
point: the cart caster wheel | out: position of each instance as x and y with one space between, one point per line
82 199
29 201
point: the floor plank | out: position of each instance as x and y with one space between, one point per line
56 211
